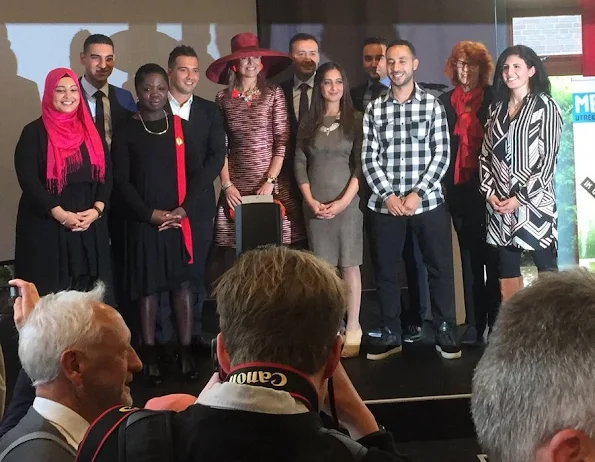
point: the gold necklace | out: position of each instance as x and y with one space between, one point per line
155 133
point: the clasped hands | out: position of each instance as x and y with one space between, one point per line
402 206
77 221
165 219
503 206
327 211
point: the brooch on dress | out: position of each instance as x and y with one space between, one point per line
246 96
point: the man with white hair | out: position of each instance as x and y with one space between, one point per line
534 388
77 352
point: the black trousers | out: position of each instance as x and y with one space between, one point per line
479 261
417 282
387 239
510 260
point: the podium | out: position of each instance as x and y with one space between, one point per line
257 223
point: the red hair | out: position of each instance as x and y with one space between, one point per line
473 53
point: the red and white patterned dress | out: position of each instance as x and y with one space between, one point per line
256 133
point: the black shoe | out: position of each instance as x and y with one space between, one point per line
377 333
412 334
470 336
380 348
187 364
151 369
446 342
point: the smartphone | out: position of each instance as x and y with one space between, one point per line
13 292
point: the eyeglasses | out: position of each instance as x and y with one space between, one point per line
462 64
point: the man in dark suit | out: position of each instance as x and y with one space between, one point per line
108 106
305 52
374 64
107 103
77 351
209 131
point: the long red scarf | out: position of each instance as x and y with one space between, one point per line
181 176
66 134
468 129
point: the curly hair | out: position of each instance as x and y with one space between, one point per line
474 53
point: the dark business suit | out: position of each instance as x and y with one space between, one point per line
37 449
357 96
121 104
287 169
208 130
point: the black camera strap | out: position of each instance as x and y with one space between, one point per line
277 377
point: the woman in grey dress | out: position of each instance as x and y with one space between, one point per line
328 171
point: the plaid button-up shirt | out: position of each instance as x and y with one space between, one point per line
406 148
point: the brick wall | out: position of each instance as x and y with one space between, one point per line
549 35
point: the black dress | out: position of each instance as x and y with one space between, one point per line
47 253
145 172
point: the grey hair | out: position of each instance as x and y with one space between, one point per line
537 373
58 322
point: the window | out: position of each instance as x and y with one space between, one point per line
549 35
556 38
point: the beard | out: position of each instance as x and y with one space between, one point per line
405 80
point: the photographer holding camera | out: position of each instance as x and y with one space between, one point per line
280 312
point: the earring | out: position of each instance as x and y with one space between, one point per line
234 68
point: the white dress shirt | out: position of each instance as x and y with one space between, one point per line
71 425
297 92
180 110
90 91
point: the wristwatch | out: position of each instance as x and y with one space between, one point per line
98 210
271 179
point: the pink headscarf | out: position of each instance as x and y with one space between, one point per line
66 133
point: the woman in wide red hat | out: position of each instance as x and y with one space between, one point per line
257 132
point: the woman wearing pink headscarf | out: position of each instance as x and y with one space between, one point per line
64 173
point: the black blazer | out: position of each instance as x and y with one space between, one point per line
287 88
208 130
451 116
39 449
357 96
121 103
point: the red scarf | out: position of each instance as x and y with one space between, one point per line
469 130
181 176
66 134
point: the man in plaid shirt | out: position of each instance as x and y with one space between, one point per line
405 155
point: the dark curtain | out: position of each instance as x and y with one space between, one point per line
433 26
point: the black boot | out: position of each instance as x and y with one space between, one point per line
187 364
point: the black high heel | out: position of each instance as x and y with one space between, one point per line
187 364
151 369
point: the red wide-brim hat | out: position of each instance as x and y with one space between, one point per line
245 45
